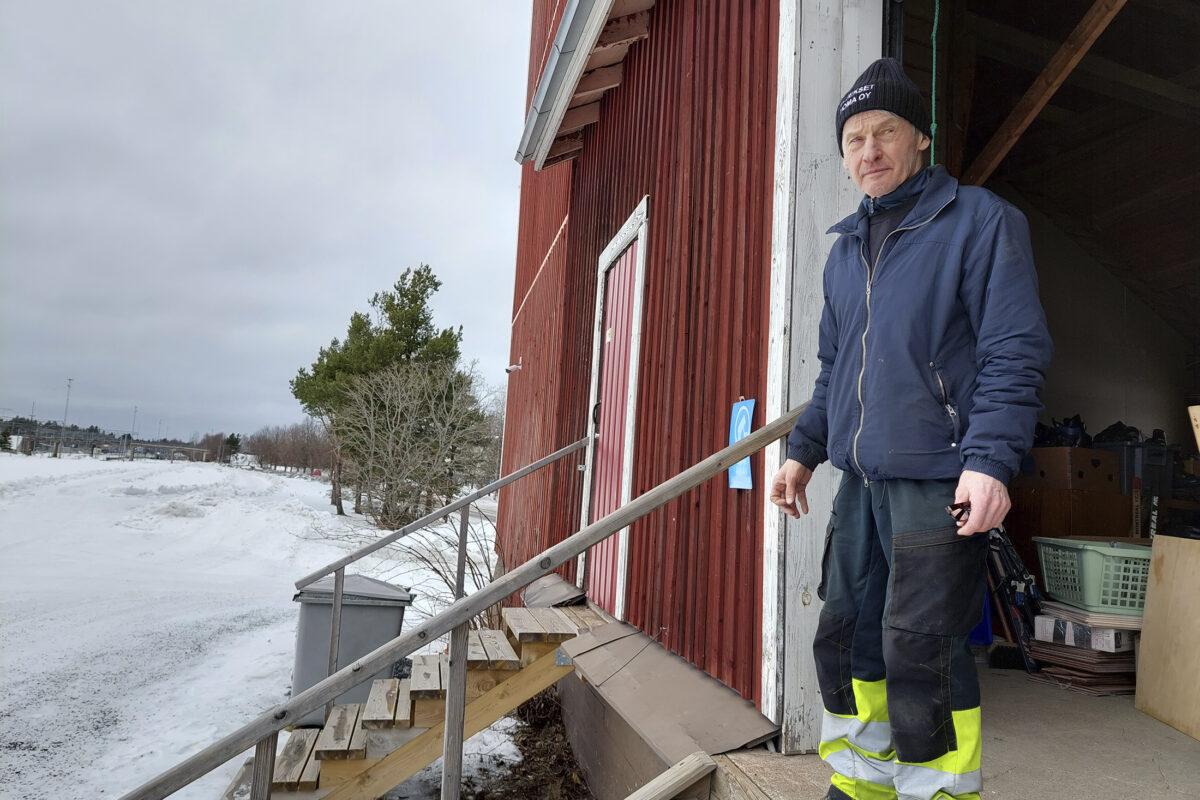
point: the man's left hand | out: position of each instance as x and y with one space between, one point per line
988 498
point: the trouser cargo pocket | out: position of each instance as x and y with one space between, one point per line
938 579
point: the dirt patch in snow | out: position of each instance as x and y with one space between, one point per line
547 770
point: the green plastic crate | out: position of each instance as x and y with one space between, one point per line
1107 578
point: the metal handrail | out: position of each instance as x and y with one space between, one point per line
267 726
434 516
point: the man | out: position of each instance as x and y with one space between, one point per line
933 348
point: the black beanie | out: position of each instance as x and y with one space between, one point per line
884 87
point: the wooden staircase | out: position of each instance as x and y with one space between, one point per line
365 749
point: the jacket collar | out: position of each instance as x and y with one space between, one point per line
942 188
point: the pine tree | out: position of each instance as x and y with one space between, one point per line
400 331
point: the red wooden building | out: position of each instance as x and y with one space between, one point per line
679 173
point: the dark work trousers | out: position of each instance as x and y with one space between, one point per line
902 592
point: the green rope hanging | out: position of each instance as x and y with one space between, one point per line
933 126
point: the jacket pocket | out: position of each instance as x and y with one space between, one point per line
948 404
938 580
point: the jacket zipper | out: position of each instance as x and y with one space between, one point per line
946 402
862 408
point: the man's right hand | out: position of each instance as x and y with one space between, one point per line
788 486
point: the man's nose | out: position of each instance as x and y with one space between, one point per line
870 150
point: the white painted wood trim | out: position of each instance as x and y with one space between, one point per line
778 357
833 42
579 58
634 229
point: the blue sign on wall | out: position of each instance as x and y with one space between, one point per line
739 428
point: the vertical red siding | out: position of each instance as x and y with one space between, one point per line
691 126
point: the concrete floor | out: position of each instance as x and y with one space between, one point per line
1039 741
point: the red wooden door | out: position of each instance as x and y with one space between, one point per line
613 399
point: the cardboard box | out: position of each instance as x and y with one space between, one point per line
1063 513
1076 634
1070 468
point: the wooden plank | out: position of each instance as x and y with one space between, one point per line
623 31
291 761
558 628
404 704
532 651
482 681
729 782
380 709
590 617
477 657
414 756
428 712
563 145
600 80
334 740
1043 88
239 787
311 775
579 118
358 738
1168 683
426 677
573 618
500 653
335 773
682 774
522 625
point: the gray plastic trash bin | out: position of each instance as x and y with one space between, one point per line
372 615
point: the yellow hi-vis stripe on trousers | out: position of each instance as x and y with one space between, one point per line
954 776
859 750
859 747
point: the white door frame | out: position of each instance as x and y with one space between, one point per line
822 47
634 230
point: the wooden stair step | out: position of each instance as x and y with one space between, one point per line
584 617
428 676
538 625
392 770
343 735
295 767
389 705
500 654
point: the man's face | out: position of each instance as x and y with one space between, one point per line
881 151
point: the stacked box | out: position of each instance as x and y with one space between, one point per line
1078 634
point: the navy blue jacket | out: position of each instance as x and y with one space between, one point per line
932 360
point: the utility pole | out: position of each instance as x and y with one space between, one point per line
132 433
63 430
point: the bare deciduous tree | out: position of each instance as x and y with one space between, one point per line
415 434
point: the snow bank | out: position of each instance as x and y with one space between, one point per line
147 611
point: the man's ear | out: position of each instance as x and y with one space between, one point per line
923 141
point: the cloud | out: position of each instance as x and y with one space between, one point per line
196 196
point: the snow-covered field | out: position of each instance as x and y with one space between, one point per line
146 610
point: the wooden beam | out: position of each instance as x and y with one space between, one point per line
576 119
600 80
677 778
1044 86
394 769
572 143
1095 73
623 31
571 156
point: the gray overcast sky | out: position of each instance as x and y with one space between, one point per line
195 196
